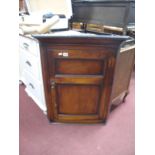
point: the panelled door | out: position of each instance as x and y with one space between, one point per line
80 81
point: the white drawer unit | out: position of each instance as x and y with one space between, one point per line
29 45
35 90
30 71
31 64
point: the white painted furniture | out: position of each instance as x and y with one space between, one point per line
30 70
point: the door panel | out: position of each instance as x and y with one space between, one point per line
78 66
77 82
78 99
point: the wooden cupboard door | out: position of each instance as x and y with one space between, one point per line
78 86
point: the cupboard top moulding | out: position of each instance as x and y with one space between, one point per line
73 37
78 74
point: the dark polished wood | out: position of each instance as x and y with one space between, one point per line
78 74
123 71
117 13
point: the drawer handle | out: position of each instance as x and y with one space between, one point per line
32 86
28 63
25 45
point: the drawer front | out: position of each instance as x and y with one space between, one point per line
33 86
29 45
31 64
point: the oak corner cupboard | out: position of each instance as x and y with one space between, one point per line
78 75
